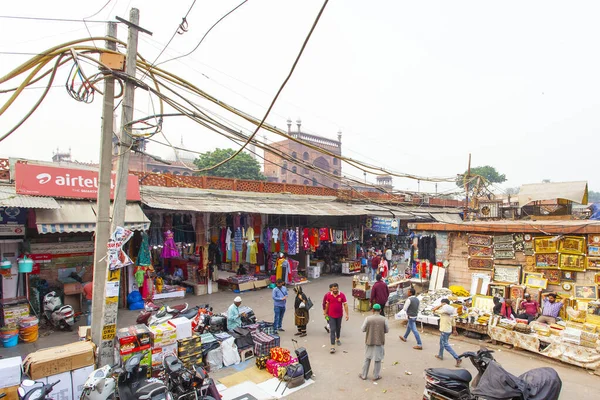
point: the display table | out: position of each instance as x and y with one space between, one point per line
557 349
170 295
477 328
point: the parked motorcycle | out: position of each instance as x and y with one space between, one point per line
55 313
163 314
492 381
187 384
202 319
127 383
35 390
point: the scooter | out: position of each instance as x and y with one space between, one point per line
163 314
35 390
492 381
187 384
59 316
127 383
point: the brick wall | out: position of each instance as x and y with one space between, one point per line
49 271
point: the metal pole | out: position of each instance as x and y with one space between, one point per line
126 117
466 180
103 201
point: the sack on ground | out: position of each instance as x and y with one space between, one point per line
230 352
280 354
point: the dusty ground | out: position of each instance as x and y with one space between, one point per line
336 375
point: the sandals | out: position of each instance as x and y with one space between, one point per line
375 379
332 350
362 377
302 334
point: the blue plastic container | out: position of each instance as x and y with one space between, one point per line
11 341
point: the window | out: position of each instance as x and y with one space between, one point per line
294 169
306 181
165 171
294 181
305 171
336 172
284 168
294 154
186 174
314 181
176 173
156 171
283 181
335 185
306 156
335 161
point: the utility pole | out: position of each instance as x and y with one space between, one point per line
99 318
466 184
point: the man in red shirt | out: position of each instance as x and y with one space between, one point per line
336 306
379 293
87 293
531 308
375 265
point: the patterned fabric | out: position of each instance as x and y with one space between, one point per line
263 343
273 366
280 354
261 362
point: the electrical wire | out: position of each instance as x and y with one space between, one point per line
100 10
48 19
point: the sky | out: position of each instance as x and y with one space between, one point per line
414 87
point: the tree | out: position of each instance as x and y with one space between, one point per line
489 173
242 166
593 197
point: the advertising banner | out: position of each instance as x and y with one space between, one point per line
390 226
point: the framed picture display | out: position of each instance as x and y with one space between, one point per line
507 274
481 251
517 291
545 244
536 282
480 263
535 293
518 237
594 239
594 251
597 278
480 240
526 274
519 246
568 276
572 245
553 276
499 291
503 239
585 292
572 262
504 246
546 261
593 263
504 254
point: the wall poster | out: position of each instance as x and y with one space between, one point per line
545 244
480 240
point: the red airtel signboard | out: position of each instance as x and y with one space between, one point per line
41 180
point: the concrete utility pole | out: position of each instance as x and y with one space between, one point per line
466 183
103 217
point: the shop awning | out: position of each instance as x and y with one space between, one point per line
80 216
10 198
573 191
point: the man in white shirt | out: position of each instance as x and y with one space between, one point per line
447 327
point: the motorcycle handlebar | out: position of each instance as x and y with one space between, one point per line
54 384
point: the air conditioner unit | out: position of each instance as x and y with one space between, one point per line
425 200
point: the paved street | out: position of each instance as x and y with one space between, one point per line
336 375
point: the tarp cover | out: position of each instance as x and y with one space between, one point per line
498 384
595 207
543 384
573 191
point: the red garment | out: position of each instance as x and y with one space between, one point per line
314 239
375 262
284 239
507 312
336 304
305 239
379 293
383 268
324 234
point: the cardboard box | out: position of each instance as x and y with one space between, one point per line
133 338
10 371
84 333
163 335
74 300
261 283
145 361
183 327
63 389
189 346
11 392
246 286
55 360
158 353
72 288
78 378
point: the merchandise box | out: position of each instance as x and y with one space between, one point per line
133 338
183 327
63 389
158 353
246 286
10 371
189 346
55 360
78 378
11 392
163 335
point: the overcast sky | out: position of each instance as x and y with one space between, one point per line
415 86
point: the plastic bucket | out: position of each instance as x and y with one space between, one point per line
5 264
10 341
25 265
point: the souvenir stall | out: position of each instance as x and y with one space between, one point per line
384 233
332 250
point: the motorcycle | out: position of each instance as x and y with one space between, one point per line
187 384
57 314
163 314
35 390
202 319
127 383
492 381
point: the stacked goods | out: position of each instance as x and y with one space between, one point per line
10 370
507 324
572 336
522 328
163 335
556 329
190 351
273 367
588 339
183 327
591 328
12 314
459 291
263 343
576 315
28 329
132 340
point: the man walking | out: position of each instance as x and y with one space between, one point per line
411 307
325 307
447 327
375 327
336 306
375 265
379 293
279 295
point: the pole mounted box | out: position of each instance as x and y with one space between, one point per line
113 61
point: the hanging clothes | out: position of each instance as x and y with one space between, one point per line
260 254
143 257
275 235
237 239
257 222
324 234
222 244
228 239
284 239
253 250
250 234
170 249
178 231
305 239
156 238
279 268
292 242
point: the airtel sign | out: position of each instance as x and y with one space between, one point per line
41 180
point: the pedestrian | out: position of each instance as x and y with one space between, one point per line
550 308
301 312
447 327
336 306
411 307
388 257
234 317
529 307
88 289
325 307
375 327
375 265
279 295
379 293
383 268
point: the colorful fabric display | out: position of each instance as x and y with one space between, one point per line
280 354
273 366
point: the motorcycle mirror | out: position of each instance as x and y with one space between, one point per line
27 382
117 371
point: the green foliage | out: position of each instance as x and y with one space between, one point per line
593 197
486 171
242 166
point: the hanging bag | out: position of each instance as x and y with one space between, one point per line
309 303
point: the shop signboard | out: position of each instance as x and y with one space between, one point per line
12 230
390 226
42 180
12 216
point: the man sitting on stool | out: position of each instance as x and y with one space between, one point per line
550 308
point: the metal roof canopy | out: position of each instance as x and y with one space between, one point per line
567 227
574 191
80 216
10 198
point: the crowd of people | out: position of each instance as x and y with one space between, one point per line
529 309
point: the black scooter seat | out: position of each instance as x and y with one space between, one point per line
456 374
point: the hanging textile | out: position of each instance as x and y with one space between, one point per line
324 234
237 239
143 257
170 249
292 241
305 239
155 231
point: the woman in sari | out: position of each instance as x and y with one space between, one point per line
300 311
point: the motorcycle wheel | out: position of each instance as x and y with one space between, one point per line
64 326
